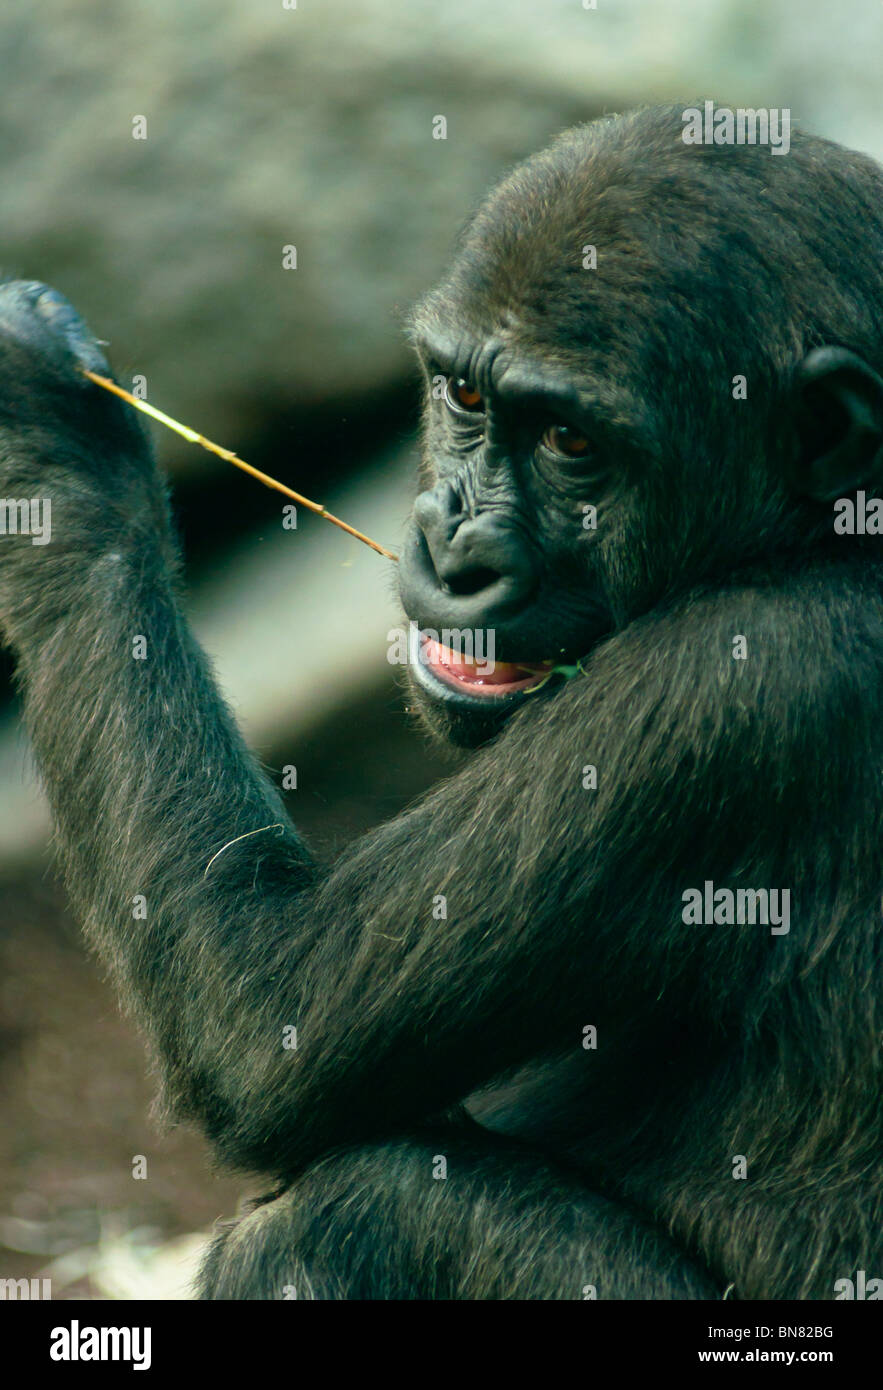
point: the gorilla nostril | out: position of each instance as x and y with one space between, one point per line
468 569
472 581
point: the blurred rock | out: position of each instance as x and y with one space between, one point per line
265 128
269 127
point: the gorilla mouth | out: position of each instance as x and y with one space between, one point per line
483 680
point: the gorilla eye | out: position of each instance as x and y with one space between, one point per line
460 395
568 442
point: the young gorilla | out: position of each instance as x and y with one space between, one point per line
730 682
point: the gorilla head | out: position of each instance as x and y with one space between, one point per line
649 367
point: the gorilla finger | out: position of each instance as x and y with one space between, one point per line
39 317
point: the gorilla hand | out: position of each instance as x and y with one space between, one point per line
78 482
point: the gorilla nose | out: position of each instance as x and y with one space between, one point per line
460 570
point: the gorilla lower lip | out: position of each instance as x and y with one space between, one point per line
480 678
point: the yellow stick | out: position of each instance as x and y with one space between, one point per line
237 462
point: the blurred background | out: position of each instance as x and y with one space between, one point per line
270 125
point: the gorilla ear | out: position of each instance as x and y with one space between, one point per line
840 423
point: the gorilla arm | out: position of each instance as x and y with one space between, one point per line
554 893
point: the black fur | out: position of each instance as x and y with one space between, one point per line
609 1168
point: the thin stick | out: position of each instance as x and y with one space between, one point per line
237 462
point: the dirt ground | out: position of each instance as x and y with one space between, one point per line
75 1102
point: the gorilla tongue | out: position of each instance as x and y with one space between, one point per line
483 677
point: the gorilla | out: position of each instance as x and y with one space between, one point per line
601 1015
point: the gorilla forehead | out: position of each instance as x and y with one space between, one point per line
684 234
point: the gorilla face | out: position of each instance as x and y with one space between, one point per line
502 570
499 570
